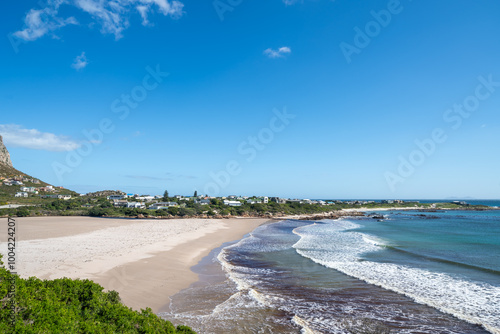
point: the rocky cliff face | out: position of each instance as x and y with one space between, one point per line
4 154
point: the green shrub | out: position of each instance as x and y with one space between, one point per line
71 306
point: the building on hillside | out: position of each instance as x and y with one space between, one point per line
21 194
120 203
162 205
49 196
232 203
146 198
116 197
278 200
136 205
294 201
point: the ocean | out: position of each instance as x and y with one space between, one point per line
413 272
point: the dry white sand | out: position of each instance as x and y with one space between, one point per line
146 261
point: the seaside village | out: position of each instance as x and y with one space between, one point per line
120 199
156 203
26 190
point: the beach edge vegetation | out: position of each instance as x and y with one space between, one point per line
71 306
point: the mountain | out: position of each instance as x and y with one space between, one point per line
8 172
4 155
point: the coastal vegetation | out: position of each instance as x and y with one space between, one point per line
71 306
100 206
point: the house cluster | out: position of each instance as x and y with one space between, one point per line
18 180
56 196
389 201
355 202
25 191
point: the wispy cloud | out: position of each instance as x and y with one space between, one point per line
80 62
152 178
182 176
17 136
39 22
113 16
280 53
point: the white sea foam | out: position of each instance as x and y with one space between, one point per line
333 246
303 324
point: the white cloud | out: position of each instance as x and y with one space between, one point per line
281 52
39 22
80 62
112 15
16 136
143 10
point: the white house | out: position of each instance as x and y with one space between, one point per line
120 203
232 203
136 205
21 194
254 201
64 197
145 198
162 205
116 197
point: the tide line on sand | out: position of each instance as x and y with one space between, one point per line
146 261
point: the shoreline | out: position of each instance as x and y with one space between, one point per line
146 261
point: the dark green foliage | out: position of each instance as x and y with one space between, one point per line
102 207
72 306
187 212
22 212
174 211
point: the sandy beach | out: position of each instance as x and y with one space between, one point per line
146 261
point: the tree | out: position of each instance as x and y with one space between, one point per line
195 193
165 196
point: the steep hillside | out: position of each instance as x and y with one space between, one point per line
12 180
4 155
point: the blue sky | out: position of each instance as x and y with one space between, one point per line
317 99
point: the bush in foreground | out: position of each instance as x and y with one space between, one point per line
71 306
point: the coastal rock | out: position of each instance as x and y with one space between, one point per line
4 154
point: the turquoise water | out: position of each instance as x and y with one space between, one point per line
413 272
